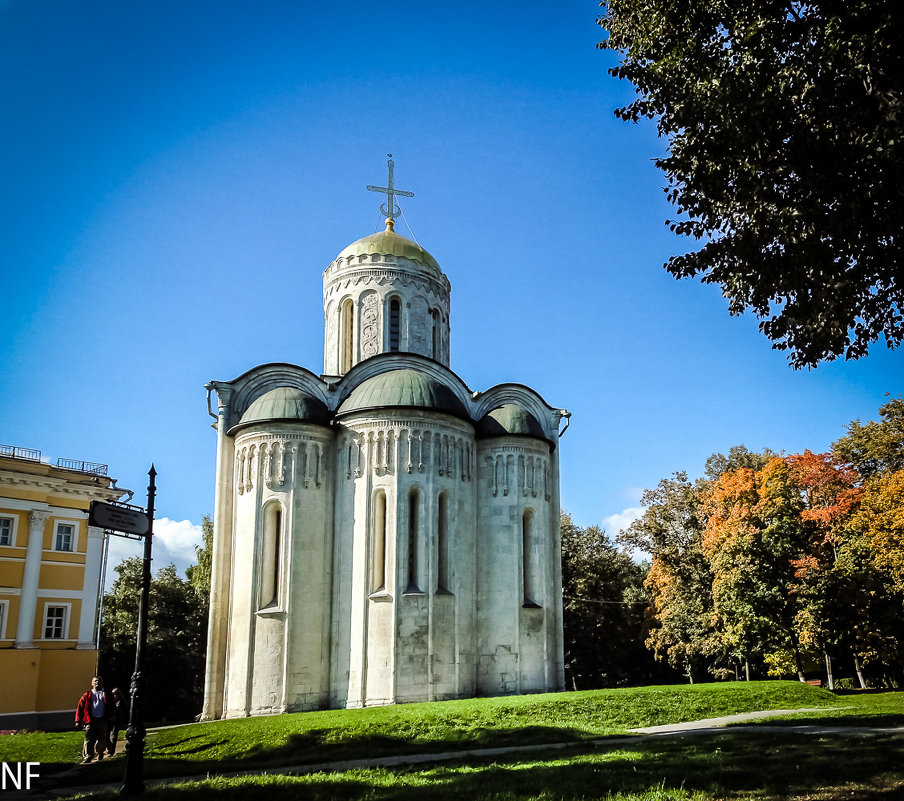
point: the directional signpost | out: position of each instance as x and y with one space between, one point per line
119 518
133 522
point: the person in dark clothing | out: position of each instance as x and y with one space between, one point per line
119 718
91 715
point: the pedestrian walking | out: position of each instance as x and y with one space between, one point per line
91 715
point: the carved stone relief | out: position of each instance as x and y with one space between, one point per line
370 325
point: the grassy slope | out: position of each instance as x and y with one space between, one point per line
447 726
474 723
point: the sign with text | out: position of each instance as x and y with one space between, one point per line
118 518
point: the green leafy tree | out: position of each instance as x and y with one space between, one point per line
176 643
875 447
603 616
679 581
785 155
199 575
738 456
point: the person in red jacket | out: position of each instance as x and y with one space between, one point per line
92 713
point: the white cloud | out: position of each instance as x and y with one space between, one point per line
621 520
174 541
178 537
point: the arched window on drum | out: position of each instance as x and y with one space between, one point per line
395 325
346 335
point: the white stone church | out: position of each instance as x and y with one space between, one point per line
382 533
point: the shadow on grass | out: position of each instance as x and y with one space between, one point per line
316 746
723 766
842 721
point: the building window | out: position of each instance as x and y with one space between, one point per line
395 324
55 622
270 555
64 540
437 333
442 544
4 614
413 499
346 335
378 543
7 530
527 562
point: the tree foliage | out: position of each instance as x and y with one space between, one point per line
752 536
876 446
198 575
604 603
679 580
879 525
782 562
177 634
785 155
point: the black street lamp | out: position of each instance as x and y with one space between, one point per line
133 777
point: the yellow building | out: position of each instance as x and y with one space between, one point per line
50 575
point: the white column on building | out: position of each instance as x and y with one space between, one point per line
90 589
29 597
220 578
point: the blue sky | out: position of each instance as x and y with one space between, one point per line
176 176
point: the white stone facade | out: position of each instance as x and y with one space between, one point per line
381 533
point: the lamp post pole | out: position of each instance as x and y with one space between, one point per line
133 779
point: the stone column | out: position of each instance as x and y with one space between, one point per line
220 578
557 602
37 520
90 589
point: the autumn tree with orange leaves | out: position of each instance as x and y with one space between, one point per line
830 600
783 561
753 535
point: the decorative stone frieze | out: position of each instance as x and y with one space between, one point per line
518 470
281 461
387 446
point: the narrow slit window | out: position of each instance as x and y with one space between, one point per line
395 324
413 499
437 333
527 563
442 544
378 544
270 556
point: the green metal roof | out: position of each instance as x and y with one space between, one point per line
510 419
403 388
285 403
389 243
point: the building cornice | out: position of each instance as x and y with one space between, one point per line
83 489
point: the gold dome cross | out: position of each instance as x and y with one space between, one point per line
390 209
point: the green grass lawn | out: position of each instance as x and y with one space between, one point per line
739 766
314 737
